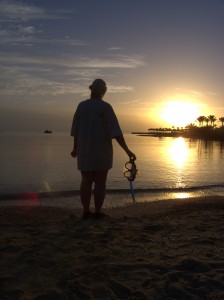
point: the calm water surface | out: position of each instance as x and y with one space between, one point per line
42 162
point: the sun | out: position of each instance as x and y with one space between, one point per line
179 113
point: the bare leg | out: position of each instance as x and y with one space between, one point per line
86 189
100 178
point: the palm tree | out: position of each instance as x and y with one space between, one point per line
201 120
221 120
207 121
190 126
212 119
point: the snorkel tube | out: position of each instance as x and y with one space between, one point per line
130 172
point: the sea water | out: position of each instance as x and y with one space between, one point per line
41 163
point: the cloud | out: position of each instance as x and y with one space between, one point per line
21 83
26 29
115 48
124 61
23 34
44 79
26 35
213 93
28 81
130 102
119 89
16 11
62 74
72 61
196 94
18 34
39 63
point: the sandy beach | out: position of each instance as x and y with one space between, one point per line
171 249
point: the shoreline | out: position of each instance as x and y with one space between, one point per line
137 209
123 191
114 198
201 133
169 249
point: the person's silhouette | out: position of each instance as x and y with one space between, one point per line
94 126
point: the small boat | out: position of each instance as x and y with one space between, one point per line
47 131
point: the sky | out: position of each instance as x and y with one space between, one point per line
162 61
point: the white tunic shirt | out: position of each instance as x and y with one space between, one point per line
94 126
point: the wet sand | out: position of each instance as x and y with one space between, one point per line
172 249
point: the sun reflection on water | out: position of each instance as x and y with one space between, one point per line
182 195
178 152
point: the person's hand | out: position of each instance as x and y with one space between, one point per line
74 153
131 155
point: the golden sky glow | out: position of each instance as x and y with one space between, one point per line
179 113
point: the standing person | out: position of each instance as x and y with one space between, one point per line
94 126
